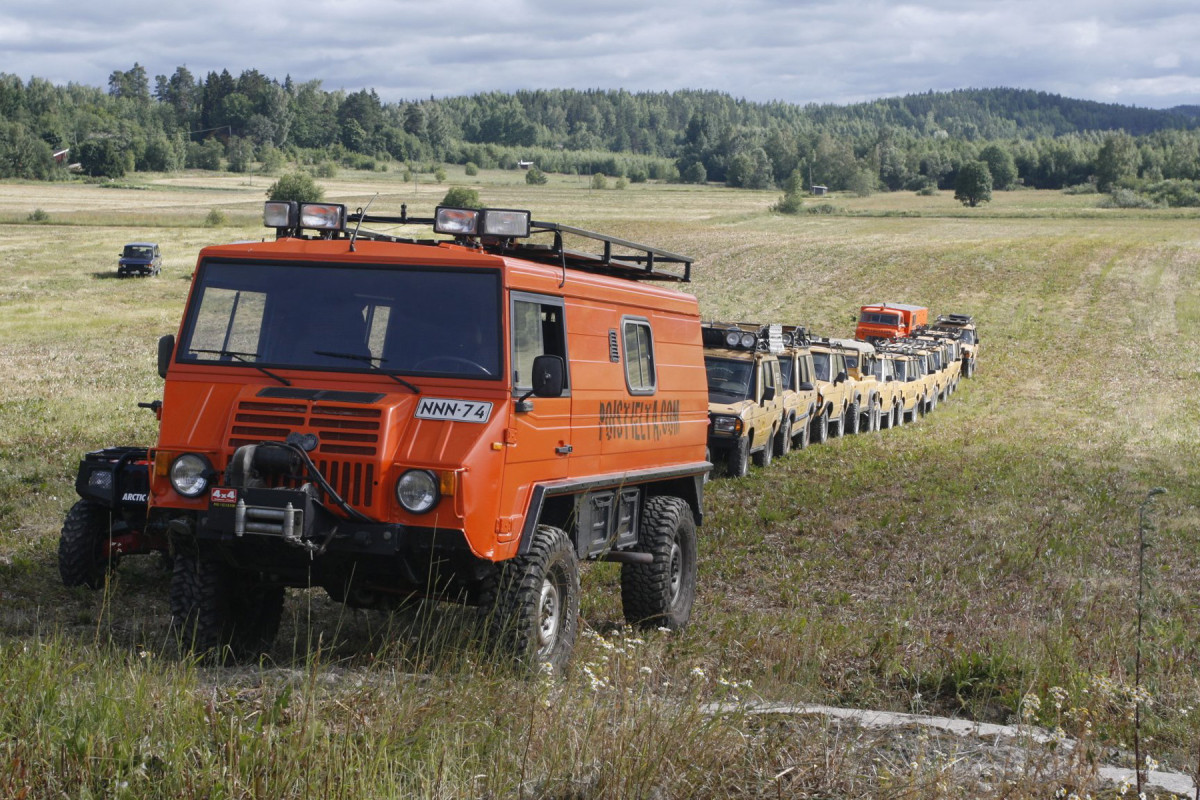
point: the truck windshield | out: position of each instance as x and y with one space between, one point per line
407 320
729 381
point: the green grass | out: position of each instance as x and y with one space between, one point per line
952 566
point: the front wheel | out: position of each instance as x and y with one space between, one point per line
737 462
820 428
801 435
533 607
783 439
83 558
763 457
850 420
219 614
661 593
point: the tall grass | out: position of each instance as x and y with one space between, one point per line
959 566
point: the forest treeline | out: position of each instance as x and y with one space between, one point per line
916 142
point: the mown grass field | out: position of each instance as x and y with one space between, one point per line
956 566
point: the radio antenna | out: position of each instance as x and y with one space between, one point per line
362 212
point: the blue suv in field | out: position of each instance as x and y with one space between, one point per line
139 258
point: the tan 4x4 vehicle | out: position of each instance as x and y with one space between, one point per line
964 324
898 398
838 391
800 395
909 367
860 358
745 404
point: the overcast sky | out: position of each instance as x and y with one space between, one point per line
1143 53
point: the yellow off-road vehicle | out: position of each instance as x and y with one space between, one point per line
964 324
860 358
838 391
800 395
909 368
895 396
745 401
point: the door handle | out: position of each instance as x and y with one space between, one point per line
565 450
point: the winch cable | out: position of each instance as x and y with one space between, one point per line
319 479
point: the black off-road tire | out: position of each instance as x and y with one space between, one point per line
737 463
763 457
819 428
837 425
783 439
220 615
850 420
81 559
801 437
875 416
660 594
531 603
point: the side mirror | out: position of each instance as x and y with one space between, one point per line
768 393
806 386
842 377
166 348
548 376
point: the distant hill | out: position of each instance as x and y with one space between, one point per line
1003 113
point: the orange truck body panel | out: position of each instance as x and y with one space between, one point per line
889 321
597 434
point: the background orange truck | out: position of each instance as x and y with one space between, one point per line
889 321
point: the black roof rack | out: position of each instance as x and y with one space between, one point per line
643 262
955 319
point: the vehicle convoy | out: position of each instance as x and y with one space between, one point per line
139 258
889 321
462 419
746 411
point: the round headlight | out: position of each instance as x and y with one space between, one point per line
749 340
189 475
732 338
417 491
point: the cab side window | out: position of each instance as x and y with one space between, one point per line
770 373
537 329
640 377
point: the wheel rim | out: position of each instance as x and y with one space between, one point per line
549 615
675 583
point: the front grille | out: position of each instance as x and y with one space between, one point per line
341 431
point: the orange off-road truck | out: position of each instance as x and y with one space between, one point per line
464 418
883 321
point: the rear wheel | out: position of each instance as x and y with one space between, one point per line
533 603
219 614
850 420
82 551
661 593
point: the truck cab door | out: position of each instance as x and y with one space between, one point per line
538 439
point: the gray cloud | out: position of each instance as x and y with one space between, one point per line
798 51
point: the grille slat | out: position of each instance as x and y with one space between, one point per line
353 432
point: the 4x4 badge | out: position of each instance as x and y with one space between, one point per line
221 496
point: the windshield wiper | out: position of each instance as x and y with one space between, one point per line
370 362
244 358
